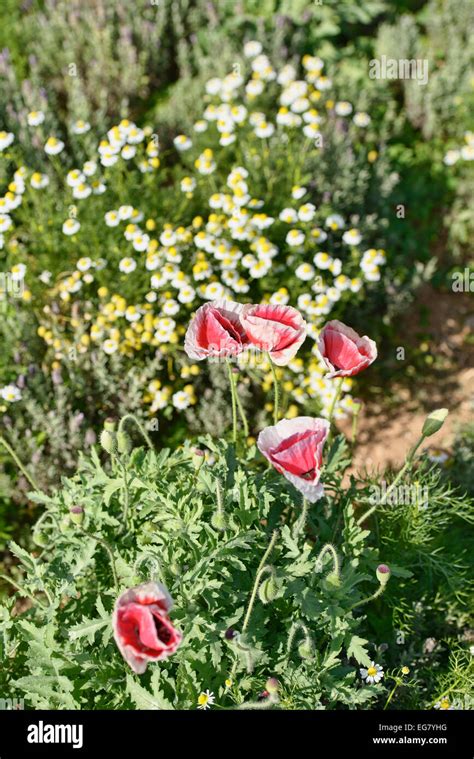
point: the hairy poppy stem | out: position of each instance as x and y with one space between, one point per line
375 595
234 400
402 471
19 464
106 546
276 392
262 568
329 548
335 400
240 407
140 427
301 523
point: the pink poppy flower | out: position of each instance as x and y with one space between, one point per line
295 448
343 351
280 330
142 629
215 330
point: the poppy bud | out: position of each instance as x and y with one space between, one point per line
383 574
272 685
434 422
77 515
108 441
230 633
40 538
332 581
305 649
268 590
219 521
110 424
124 444
64 524
198 458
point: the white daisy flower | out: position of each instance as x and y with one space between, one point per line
352 237
53 146
295 238
35 118
451 157
127 265
38 181
252 48
182 143
343 108
306 212
205 700
372 674
305 272
109 346
10 393
71 226
112 218
80 127
361 119
6 139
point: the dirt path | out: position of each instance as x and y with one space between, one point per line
387 429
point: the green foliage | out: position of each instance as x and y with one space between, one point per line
59 653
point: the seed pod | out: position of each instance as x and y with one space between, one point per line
268 590
124 443
198 458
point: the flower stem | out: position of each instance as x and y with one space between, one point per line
300 524
328 548
375 595
23 592
261 568
240 407
335 399
17 461
234 401
390 695
106 546
402 471
276 392
140 427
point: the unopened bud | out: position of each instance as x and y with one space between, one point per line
305 649
77 515
272 685
383 574
110 424
108 441
218 521
198 458
268 590
332 581
434 422
40 538
124 443
230 633
64 523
